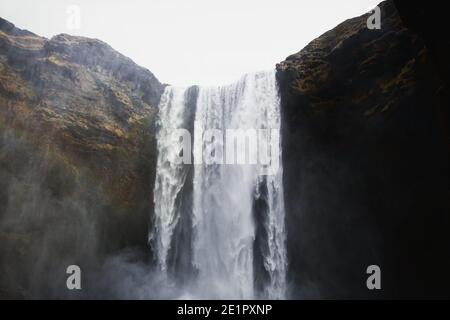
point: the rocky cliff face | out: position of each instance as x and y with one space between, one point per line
365 155
77 156
366 163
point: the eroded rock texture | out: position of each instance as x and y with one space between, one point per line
77 157
366 162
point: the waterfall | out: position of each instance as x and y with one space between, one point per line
237 232
170 177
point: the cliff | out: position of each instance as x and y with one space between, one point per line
366 162
365 133
77 156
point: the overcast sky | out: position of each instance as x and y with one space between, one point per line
186 42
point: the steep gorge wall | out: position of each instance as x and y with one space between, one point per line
77 155
365 147
366 163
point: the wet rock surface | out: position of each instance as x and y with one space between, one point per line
366 163
77 155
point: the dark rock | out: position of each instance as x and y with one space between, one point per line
77 155
366 163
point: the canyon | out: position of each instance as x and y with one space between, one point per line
365 157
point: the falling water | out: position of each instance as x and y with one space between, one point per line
170 177
224 229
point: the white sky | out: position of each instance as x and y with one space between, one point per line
186 42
